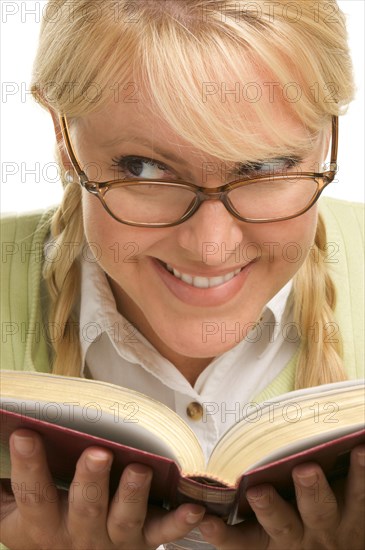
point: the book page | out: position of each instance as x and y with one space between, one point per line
307 443
106 410
93 421
289 419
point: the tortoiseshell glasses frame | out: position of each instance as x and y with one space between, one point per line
145 210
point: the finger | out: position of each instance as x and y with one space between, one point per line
247 535
8 503
278 518
132 524
89 496
33 487
354 511
162 527
316 501
129 506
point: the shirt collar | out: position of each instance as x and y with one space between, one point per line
276 309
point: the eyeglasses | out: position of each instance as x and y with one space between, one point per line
154 203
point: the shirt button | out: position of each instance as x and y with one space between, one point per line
194 410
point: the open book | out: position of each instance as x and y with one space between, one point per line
319 424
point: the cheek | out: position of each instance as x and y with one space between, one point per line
290 241
107 238
117 246
96 219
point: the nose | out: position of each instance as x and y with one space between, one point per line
211 235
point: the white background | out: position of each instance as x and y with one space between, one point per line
29 174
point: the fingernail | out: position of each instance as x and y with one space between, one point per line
97 461
24 445
259 498
207 528
192 518
138 473
306 476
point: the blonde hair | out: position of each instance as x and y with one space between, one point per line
189 55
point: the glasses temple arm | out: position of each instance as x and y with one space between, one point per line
70 151
334 147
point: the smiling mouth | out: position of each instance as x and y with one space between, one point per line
201 282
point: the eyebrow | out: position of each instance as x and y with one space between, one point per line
287 160
138 141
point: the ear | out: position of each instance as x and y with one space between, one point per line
67 164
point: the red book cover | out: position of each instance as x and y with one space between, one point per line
333 457
65 445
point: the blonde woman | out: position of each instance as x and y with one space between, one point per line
219 279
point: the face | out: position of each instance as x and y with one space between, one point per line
245 264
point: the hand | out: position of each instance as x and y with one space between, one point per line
39 516
325 518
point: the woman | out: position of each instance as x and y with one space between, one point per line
187 288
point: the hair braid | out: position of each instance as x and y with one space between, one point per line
320 360
62 275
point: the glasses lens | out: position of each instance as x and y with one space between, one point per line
149 203
273 198
153 203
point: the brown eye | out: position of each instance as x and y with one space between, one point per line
268 167
134 166
140 167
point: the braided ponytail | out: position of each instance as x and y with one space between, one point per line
62 275
320 358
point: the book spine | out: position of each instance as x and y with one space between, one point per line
214 496
192 541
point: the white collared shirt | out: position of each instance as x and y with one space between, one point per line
115 351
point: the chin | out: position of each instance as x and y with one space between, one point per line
209 343
204 337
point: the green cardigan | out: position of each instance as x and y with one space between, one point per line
23 342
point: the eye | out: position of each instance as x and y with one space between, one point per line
268 167
141 167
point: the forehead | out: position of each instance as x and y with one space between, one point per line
232 120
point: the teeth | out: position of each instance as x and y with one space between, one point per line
202 282
186 278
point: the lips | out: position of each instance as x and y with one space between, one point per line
219 294
202 282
